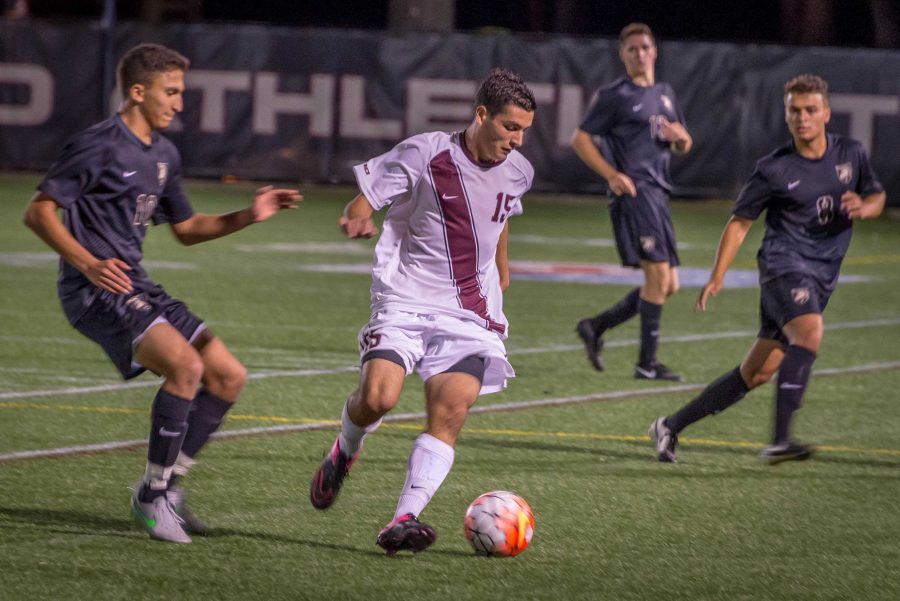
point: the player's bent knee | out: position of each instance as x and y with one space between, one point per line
376 399
227 383
187 370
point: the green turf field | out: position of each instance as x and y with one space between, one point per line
611 522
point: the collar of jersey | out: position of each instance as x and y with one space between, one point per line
134 138
461 140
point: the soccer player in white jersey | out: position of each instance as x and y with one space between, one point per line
438 278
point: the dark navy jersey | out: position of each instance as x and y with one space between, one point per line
110 186
628 117
806 230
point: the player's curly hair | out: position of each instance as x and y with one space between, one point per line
144 61
807 84
503 87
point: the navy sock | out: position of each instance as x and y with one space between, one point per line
168 419
650 318
205 418
718 396
793 375
622 311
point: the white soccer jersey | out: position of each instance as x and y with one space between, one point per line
438 244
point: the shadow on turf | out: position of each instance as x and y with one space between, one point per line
73 519
316 544
78 521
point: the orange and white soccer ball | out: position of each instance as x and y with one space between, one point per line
499 523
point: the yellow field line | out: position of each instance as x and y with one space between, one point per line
632 438
490 431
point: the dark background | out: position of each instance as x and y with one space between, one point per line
864 23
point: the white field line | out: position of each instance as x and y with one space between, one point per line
408 417
300 373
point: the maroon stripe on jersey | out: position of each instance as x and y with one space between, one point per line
459 232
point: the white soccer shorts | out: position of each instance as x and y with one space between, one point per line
431 344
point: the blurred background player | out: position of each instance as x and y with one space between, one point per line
812 189
111 181
437 295
642 124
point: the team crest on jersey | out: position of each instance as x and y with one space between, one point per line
648 243
162 172
800 295
667 102
844 172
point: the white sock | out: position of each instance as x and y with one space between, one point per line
157 476
351 437
429 463
182 464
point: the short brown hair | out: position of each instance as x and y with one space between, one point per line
807 84
143 62
636 29
503 87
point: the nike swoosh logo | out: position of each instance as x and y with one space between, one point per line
414 486
789 386
793 185
150 522
128 173
168 433
647 373
637 107
445 197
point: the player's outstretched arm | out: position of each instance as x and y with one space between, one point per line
356 221
732 237
268 201
584 147
857 207
109 274
502 258
676 134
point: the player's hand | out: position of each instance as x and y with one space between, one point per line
673 131
712 288
852 205
621 184
358 228
269 201
109 274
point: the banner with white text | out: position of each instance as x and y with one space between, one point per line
273 103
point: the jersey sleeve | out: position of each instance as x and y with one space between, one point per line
754 196
391 176
679 114
527 172
601 114
868 182
173 206
77 169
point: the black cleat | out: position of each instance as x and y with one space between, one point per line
786 451
593 342
405 533
665 440
656 371
326 482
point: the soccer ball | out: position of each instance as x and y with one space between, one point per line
499 523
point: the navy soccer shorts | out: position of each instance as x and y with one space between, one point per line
118 322
786 297
643 227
